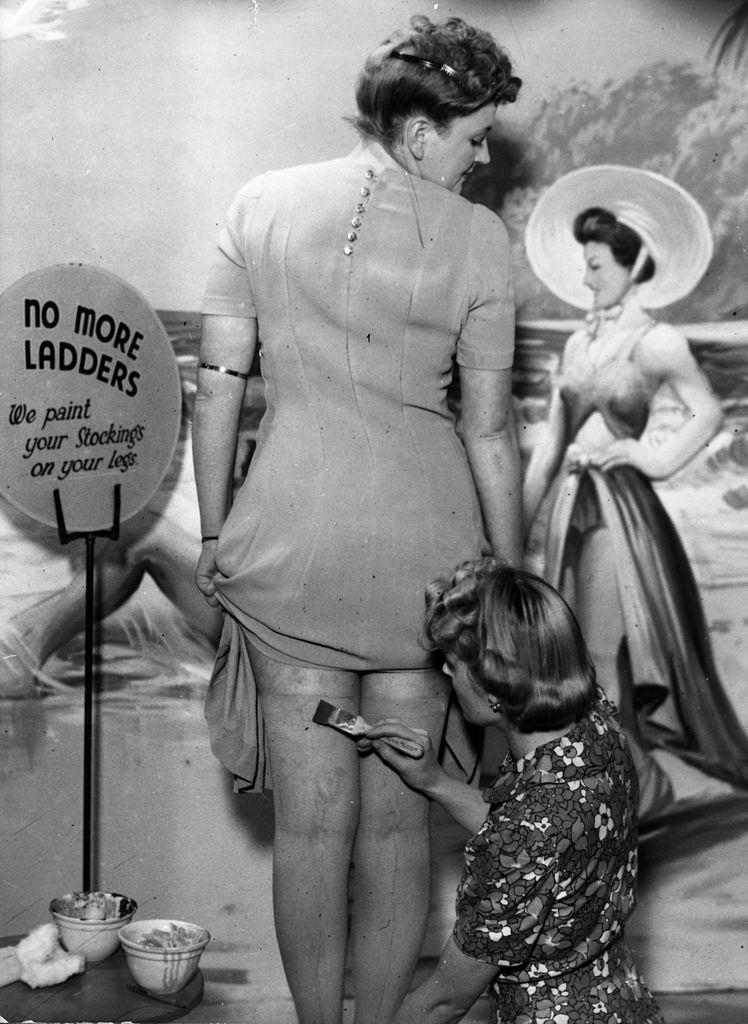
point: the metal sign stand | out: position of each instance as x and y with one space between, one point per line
89 536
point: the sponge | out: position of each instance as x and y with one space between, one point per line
42 959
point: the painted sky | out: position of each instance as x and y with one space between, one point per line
126 126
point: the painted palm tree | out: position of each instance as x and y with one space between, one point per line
39 19
732 38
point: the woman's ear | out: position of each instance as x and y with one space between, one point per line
416 135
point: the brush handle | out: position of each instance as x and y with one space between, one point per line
409 747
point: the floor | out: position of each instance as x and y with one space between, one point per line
174 836
677 1008
257 993
237 1002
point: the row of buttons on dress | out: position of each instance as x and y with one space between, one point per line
360 210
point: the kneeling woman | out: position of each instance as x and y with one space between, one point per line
550 873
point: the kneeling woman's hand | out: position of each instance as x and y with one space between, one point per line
461 800
422 773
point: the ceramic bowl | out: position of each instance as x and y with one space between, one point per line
89 922
162 954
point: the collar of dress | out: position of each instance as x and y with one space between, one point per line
578 754
374 156
623 316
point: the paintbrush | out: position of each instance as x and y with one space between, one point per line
354 725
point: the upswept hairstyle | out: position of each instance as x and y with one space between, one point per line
518 639
599 225
464 70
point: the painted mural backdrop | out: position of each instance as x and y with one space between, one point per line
155 635
689 125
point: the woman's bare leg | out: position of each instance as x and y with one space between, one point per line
161 549
598 609
56 619
391 859
315 773
169 554
597 605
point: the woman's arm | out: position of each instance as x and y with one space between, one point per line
449 993
490 438
665 355
545 460
228 342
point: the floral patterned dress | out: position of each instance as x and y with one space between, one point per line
550 879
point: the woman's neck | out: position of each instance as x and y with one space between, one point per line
608 321
630 304
523 743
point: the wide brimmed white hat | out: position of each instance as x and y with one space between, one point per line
669 221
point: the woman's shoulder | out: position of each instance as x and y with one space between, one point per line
660 345
279 179
541 821
576 338
485 225
488 247
575 347
659 333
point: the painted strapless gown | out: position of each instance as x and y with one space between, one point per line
678 701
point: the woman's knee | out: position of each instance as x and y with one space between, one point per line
324 802
384 828
389 807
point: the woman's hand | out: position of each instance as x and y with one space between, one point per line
628 452
206 572
422 773
462 801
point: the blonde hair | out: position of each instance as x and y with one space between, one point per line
519 640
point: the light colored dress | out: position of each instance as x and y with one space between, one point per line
366 284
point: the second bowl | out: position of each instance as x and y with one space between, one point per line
163 954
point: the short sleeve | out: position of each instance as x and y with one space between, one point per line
486 341
228 291
507 890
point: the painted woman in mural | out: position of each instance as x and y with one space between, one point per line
638 242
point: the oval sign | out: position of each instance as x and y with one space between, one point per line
90 397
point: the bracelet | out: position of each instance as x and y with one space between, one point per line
209 536
224 369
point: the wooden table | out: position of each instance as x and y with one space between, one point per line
104 992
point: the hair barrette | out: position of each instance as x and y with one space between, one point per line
445 69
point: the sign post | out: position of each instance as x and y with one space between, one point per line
90 406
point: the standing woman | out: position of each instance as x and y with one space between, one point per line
637 241
363 279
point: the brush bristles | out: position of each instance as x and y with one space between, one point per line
325 713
